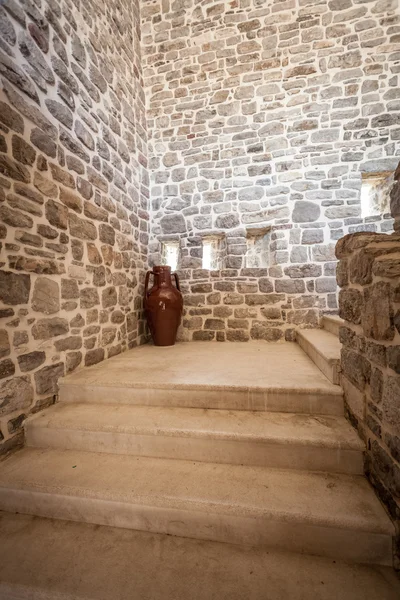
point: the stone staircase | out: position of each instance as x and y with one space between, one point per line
214 454
323 346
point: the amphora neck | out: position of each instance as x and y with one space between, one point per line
162 276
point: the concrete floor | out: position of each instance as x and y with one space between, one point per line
254 365
72 561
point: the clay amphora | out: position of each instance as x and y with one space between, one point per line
163 304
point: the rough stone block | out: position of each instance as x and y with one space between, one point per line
4 343
56 214
13 170
376 385
92 357
203 336
222 311
325 284
109 297
46 379
393 358
360 268
31 360
260 330
214 324
173 224
290 286
237 335
45 329
15 394
14 288
46 296
356 368
351 302
308 317
7 368
305 212
377 313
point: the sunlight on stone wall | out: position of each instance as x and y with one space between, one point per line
269 113
73 195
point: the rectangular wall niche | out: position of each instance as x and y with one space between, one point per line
375 190
170 254
214 248
257 253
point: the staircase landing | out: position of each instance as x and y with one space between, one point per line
252 376
211 365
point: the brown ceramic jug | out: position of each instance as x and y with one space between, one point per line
163 304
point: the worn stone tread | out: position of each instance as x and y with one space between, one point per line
332 323
269 439
65 561
281 428
323 348
316 498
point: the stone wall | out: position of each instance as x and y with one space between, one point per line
395 200
238 306
268 113
369 275
73 194
255 303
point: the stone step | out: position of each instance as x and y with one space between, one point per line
332 323
282 440
322 400
331 515
45 559
254 378
200 375
323 348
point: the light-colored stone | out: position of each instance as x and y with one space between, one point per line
282 142
281 440
81 564
53 192
323 348
170 496
276 377
332 323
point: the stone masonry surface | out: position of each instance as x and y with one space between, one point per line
74 222
129 124
269 113
238 306
369 277
264 118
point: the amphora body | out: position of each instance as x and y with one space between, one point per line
163 304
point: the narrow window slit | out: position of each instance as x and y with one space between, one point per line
257 253
214 248
170 255
374 197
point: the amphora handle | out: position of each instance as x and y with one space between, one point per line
178 287
146 283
